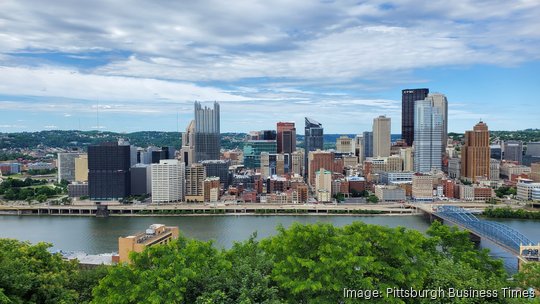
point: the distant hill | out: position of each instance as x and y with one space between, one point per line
81 139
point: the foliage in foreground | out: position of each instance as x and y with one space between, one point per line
30 274
301 264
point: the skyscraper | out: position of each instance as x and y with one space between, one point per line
428 133
440 102
168 181
187 152
408 97
109 171
381 136
475 154
195 175
513 151
313 140
368 144
207 132
286 137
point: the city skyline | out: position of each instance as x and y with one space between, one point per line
339 62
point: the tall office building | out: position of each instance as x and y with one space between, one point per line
513 151
359 147
109 171
475 154
207 132
441 103
81 168
218 168
496 152
428 132
381 136
286 137
345 144
368 144
66 166
253 149
168 181
195 175
313 140
187 152
408 97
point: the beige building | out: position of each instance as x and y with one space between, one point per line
187 152
323 185
381 136
406 155
81 168
509 169
156 234
211 187
350 161
297 162
345 144
195 175
422 187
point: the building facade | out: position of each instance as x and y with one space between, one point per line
109 171
313 139
207 132
408 97
513 151
428 133
286 137
168 181
475 154
66 166
381 136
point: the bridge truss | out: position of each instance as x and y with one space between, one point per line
499 233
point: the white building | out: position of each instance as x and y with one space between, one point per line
390 193
168 181
527 191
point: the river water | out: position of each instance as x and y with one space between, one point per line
100 235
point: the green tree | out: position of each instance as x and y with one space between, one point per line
529 276
30 274
178 272
373 199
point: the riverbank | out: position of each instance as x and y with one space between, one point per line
507 213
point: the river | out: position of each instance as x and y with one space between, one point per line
100 235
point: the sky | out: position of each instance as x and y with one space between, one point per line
140 65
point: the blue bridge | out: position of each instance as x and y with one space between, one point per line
502 235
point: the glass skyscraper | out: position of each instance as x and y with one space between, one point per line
207 132
428 134
408 97
313 139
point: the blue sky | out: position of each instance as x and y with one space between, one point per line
341 62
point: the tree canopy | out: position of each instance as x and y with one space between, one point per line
300 264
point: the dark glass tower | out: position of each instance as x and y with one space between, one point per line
368 144
207 133
408 97
313 140
108 171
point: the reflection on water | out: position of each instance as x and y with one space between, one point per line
99 235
